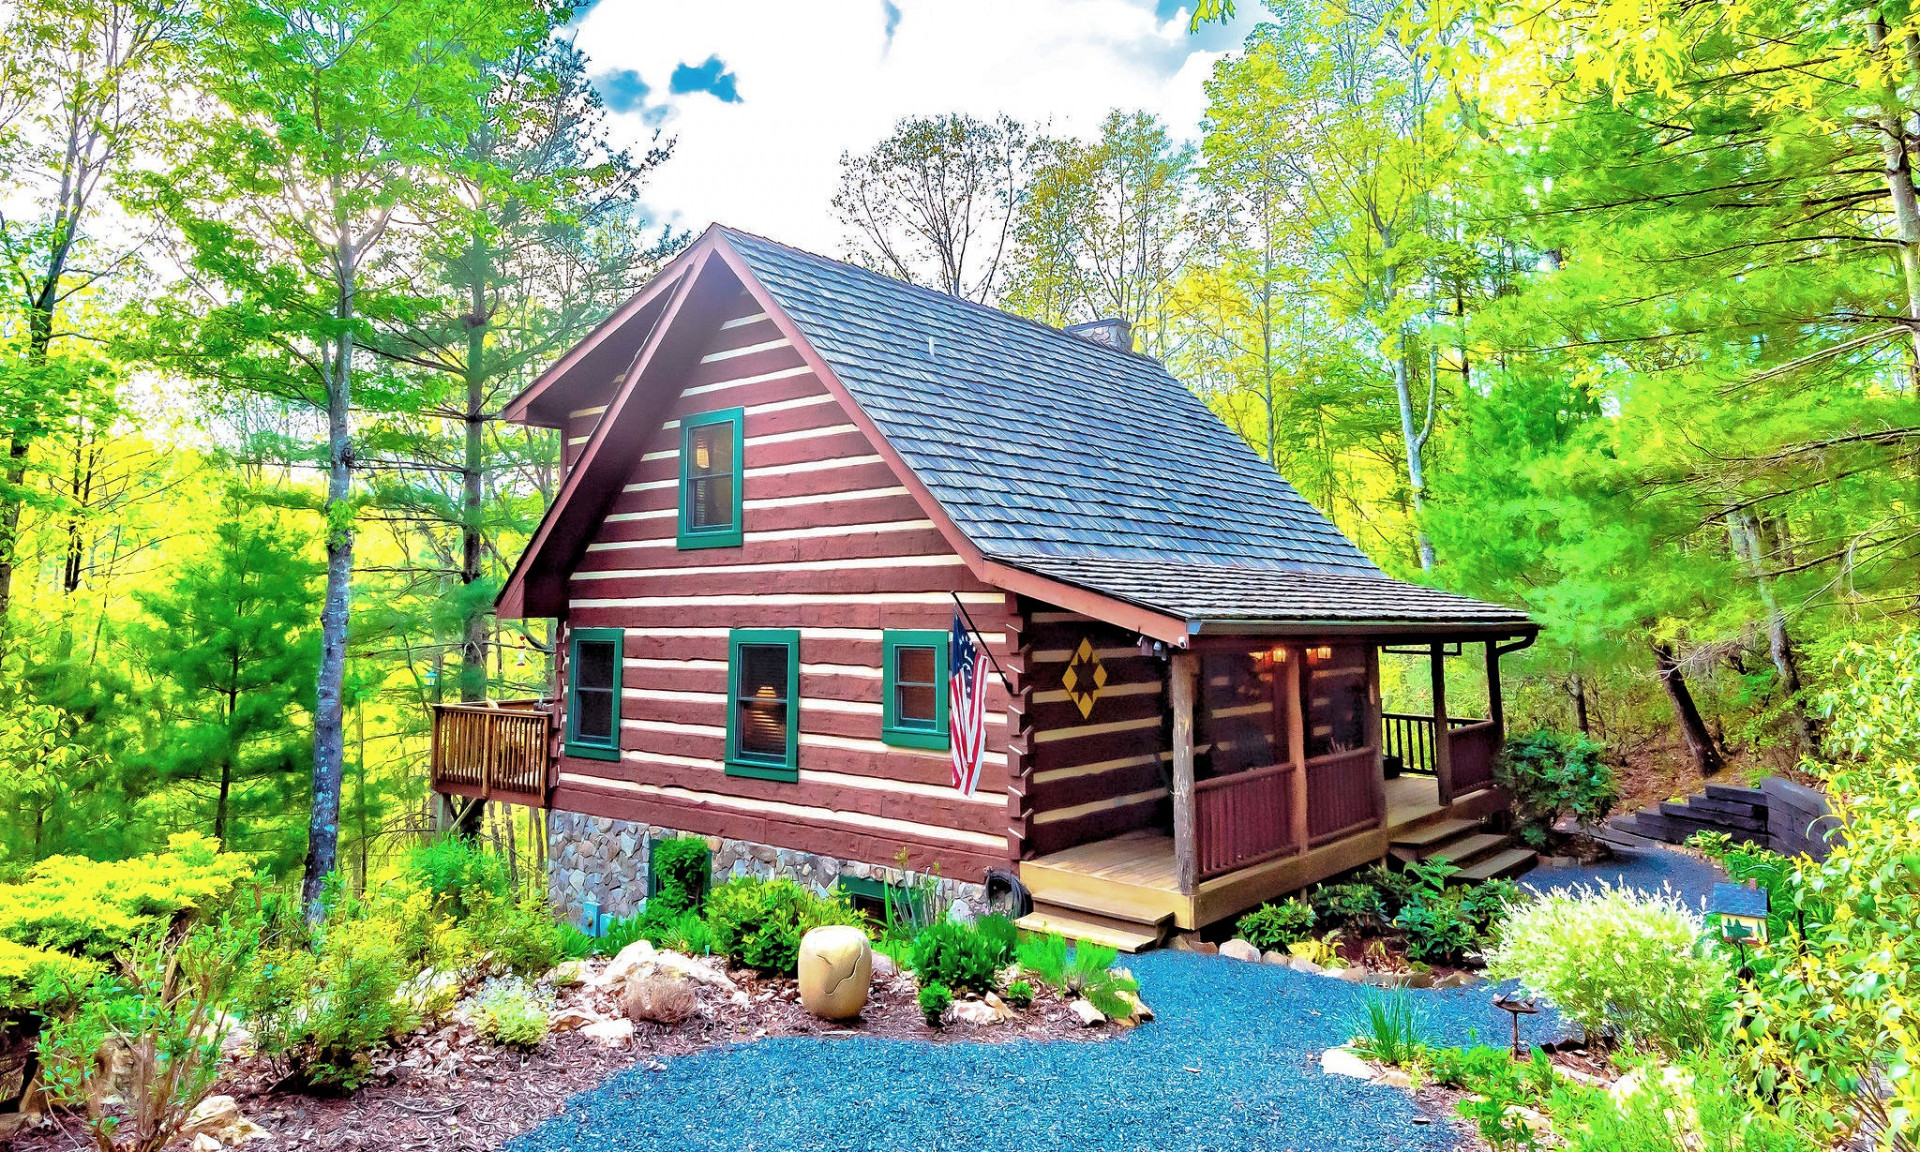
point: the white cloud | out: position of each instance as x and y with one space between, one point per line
817 79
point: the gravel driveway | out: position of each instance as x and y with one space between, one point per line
1231 1063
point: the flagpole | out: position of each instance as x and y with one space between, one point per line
971 627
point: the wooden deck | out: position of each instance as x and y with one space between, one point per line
1132 877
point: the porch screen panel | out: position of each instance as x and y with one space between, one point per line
1335 686
1240 724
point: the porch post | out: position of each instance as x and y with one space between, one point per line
1297 743
1495 712
1442 734
1181 669
1373 734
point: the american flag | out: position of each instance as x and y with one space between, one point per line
966 706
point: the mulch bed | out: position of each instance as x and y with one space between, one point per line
448 1090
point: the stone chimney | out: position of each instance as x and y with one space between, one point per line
1112 333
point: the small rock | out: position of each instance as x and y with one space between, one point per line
1384 979
615 974
570 974
883 966
610 1033
1277 958
1536 1122
1456 980
1420 980
1345 1062
977 1012
1086 1014
204 1143
219 1117
1240 950
1302 964
1352 975
568 1019
1393 1078
1579 1077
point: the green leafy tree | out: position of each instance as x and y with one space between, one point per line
294 196
229 650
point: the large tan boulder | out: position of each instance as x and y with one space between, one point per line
836 971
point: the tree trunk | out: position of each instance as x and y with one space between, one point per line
16 477
1577 688
1416 468
1745 535
329 737
473 639
1896 152
1686 714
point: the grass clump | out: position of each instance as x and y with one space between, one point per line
1389 1027
1084 970
1273 926
511 1013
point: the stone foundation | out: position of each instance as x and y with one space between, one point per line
600 859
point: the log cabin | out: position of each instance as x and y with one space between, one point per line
784 478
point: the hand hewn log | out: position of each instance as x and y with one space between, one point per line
1181 674
1442 734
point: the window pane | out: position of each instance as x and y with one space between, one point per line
1237 722
913 665
914 704
593 716
713 502
593 667
1336 706
761 694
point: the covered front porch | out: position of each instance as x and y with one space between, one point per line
1352 784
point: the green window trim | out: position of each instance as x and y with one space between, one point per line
713 536
741 762
575 744
894 729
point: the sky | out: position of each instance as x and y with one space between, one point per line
763 96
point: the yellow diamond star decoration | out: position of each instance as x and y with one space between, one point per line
1084 678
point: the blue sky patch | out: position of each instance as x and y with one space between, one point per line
622 89
711 77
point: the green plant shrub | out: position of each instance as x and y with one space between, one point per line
1552 774
163 1006
1355 906
577 945
1020 994
1437 927
464 878
39 980
1476 1069
509 1012
1695 1105
688 933
520 937
681 869
1045 958
323 1015
935 999
1108 990
1389 1027
1395 888
624 930
1276 925
760 922
956 955
1000 933
1623 964
94 908
1484 906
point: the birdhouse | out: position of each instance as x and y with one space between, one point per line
1742 910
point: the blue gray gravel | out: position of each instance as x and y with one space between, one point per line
1231 1062
1650 868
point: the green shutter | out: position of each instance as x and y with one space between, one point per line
895 729
730 535
594 748
746 761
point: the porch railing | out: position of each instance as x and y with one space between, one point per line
1411 738
1473 746
1243 819
494 749
1341 795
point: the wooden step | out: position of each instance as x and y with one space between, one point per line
1730 807
1466 849
1658 825
1735 792
1121 936
1428 834
1099 906
1511 862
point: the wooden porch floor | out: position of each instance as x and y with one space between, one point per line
1132 876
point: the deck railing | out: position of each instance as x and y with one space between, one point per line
1474 746
1411 738
494 749
1342 797
1243 819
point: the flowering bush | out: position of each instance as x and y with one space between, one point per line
508 1011
1622 964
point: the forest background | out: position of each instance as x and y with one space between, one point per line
1608 311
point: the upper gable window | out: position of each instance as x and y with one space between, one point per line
711 445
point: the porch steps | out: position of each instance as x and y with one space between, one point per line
1118 932
1478 853
1500 865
